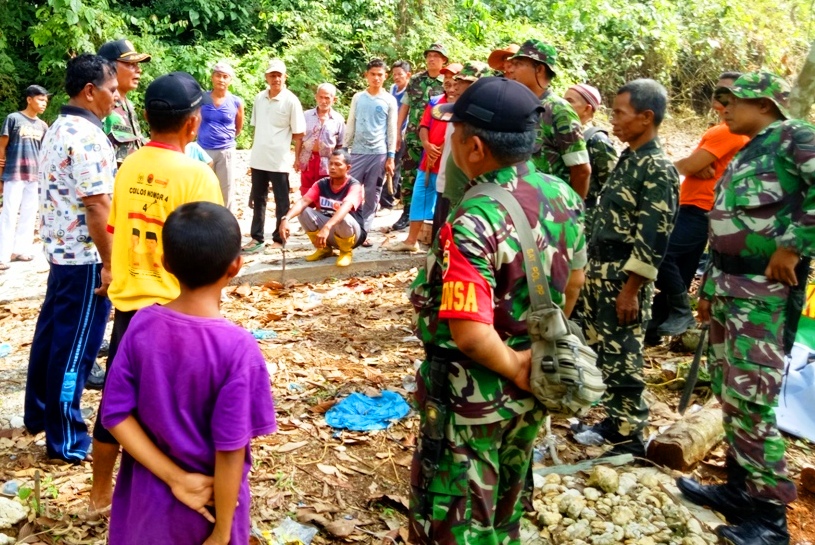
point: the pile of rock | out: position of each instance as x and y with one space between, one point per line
611 507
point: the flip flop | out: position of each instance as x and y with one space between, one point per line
22 257
4 266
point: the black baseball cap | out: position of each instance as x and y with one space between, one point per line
174 92
495 104
122 50
36 91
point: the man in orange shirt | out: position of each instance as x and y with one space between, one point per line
671 312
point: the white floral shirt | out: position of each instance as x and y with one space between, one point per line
76 160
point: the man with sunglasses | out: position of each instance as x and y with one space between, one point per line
762 235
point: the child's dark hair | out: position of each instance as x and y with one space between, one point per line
201 240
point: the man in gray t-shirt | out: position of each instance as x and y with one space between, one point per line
20 140
370 135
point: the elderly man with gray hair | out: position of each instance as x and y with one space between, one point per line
325 132
629 238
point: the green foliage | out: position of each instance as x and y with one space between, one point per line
682 43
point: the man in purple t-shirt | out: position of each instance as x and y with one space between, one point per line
191 401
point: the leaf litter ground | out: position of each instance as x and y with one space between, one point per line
330 339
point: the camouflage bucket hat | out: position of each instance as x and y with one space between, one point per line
538 52
754 85
438 48
472 71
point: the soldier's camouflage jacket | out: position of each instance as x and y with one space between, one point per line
123 130
602 157
637 206
560 143
417 96
475 271
764 200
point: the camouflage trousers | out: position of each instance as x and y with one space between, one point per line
410 168
619 351
746 361
475 496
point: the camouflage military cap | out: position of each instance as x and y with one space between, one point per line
438 48
471 71
754 85
538 52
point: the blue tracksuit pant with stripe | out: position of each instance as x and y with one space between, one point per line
69 333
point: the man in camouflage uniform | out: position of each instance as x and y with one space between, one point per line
635 215
471 302
762 232
560 149
122 125
422 86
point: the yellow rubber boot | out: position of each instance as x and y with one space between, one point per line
346 246
319 253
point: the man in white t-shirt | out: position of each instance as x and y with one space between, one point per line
278 119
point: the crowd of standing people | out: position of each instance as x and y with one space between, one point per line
144 228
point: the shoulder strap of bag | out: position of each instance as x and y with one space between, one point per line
591 131
535 277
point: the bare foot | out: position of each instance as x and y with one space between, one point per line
99 502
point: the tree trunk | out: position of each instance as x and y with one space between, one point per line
808 478
803 94
688 440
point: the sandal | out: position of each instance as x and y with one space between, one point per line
4 266
21 257
367 244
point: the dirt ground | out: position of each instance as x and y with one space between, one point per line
330 339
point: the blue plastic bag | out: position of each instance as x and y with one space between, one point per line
359 412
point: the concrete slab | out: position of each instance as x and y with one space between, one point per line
28 280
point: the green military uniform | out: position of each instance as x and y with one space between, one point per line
634 219
560 143
602 158
475 268
764 201
417 96
123 130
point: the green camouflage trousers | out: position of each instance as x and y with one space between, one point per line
746 361
475 495
410 168
619 351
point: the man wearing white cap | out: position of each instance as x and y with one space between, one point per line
585 101
221 123
278 119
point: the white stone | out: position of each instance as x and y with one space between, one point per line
11 512
16 422
622 516
591 494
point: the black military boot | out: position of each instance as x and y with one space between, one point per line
767 526
680 317
403 221
730 499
